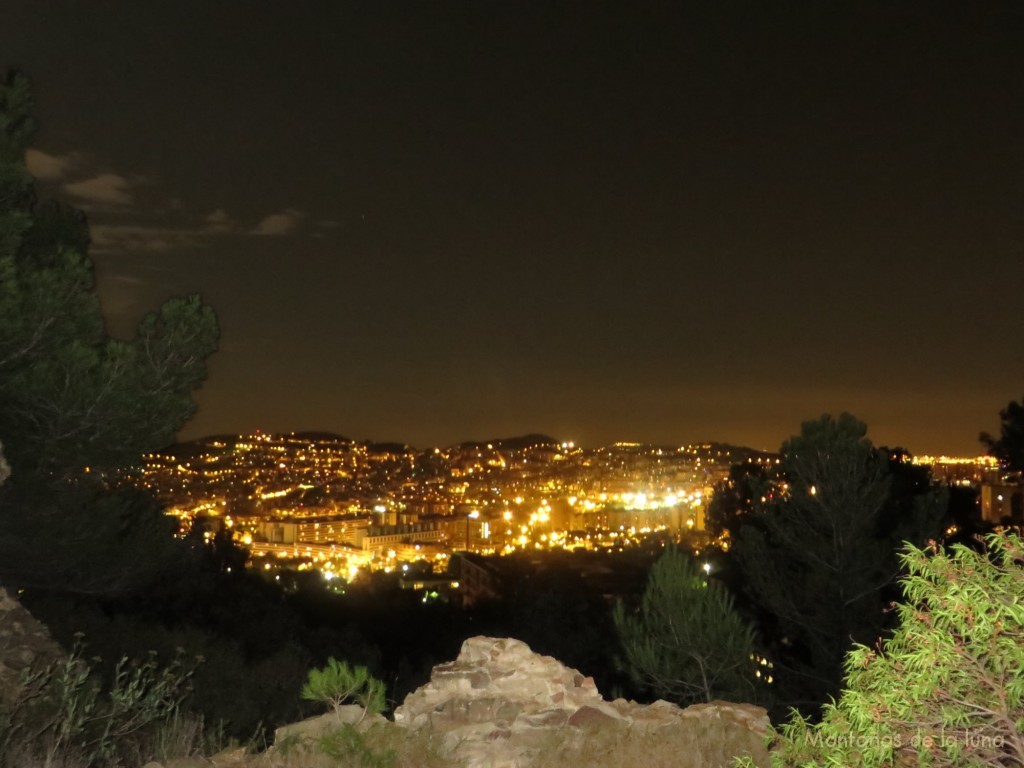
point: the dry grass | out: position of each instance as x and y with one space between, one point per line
702 746
695 744
185 735
383 745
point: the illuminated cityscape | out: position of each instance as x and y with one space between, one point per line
318 501
731 289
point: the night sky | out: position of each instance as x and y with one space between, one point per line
666 222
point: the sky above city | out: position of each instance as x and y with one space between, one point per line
665 222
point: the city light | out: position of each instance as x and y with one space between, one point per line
301 503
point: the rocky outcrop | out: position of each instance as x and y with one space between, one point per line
315 727
24 641
501 705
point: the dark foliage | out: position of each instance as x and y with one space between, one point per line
1009 446
75 402
733 500
817 554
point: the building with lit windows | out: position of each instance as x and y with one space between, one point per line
1001 502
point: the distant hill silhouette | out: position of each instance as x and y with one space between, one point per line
323 436
739 453
710 449
387 447
200 443
513 443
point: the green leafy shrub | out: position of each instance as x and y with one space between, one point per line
367 743
338 683
947 689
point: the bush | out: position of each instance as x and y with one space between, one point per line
338 683
62 715
947 689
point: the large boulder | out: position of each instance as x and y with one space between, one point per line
24 643
313 728
501 705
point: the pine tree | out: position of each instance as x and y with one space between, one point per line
75 402
1009 446
818 552
687 643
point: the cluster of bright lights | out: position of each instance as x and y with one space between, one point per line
988 462
333 563
274 494
527 512
763 670
652 501
542 515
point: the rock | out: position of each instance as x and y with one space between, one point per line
230 756
187 762
313 728
24 643
501 705
590 717
746 715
